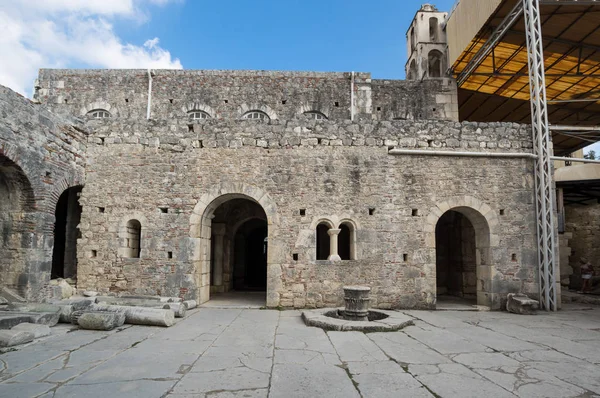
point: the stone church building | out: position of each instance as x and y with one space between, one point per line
194 183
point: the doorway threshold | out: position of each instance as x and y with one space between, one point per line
235 299
453 303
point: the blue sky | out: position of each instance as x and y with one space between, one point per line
309 35
325 35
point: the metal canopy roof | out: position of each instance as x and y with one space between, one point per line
497 89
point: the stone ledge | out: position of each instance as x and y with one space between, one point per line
393 322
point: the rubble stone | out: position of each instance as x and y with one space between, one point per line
521 304
9 338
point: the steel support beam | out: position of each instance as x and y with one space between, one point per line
489 45
542 148
569 2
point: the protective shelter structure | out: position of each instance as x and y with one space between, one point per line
534 61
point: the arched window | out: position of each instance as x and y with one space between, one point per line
412 70
346 240
323 249
316 115
412 40
98 113
435 63
256 115
133 239
433 29
195 115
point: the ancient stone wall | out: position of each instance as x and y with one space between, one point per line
582 223
229 94
303 172
430 99
41 155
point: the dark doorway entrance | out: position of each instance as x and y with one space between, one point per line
250 256
456 259
239 247
64 253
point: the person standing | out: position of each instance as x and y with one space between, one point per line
586 275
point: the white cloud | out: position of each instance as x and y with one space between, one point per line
62 33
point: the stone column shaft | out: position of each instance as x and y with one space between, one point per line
333 245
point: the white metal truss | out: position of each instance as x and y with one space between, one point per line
542 148
491 42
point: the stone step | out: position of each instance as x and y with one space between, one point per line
8 319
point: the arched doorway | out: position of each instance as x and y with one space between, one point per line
238 247
66 232
462 243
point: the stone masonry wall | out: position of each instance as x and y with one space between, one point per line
229 94
582 223
334 170
41 155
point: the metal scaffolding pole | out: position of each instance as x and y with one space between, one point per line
542 148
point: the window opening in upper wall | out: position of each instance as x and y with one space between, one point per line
316 115
195 115
346 241
435 63
323 242
433 29
99 113
256 115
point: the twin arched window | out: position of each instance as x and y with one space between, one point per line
256 115
336 244
99 113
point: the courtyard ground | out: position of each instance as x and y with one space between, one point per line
226 352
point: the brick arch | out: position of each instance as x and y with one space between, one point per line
49 205
29 196
485 222
316 107
201 229
199 106
100 104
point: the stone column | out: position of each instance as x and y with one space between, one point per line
333 245
218 234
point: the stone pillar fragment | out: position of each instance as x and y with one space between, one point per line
333 245
141 316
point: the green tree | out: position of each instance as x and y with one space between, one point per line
590 155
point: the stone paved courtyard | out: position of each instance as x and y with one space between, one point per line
259 353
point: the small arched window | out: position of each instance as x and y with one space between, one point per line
256 115
323 249
195 115
99 113
346 242
412 70
316 115
133 239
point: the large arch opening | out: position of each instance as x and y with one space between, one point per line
435 63
462 242
66 233
238 249
17 203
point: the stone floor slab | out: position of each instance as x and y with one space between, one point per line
289 380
